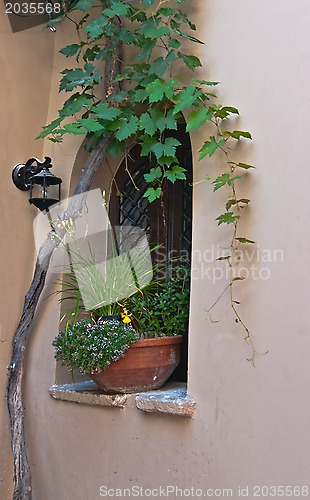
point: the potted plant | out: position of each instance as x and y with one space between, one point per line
138 348
165 311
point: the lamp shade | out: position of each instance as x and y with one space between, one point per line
44 189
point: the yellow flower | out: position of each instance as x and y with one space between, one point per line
126 316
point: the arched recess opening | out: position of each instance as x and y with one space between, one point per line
173 230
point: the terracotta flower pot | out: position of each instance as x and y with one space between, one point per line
146 365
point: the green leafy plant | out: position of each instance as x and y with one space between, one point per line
164 312
145 99
91 346
102 292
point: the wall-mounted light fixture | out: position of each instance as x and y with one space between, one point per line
35 176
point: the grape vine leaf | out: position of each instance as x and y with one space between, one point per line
209 147
227 218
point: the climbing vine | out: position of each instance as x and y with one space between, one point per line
146 98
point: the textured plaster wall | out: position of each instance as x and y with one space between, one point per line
252 425
26 60
257 420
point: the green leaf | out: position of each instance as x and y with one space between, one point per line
70 50
140 95
106 112
72 78
126 36
170 57
237 134
108 13
147 23
146 49
154 174
104 54
96 27
55 139
155 32
209 147
48 129
147 124
191 62
91 54
224 179
168 148
192 25
244 240
189 37
147 144
227 218
170 87
116 9
127 128
83 5
187 98
225 111
221 181
74 104
244 165
205 82
115 148
78 78
230 109
159 88
233 201
198 118
118 96
74 128
174 43
91 125
165 11
92 140
230 203
119 77
156 90
174 24
166 161
163 121
148 2
83 21
152 194
176 172
159 67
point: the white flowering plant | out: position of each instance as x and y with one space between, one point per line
91 345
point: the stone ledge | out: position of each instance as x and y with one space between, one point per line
87 393
172 399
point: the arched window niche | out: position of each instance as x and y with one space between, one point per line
167 221
124 184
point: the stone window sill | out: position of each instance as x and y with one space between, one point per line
171 399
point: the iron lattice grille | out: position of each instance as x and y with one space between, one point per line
134 209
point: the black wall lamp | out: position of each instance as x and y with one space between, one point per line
35 176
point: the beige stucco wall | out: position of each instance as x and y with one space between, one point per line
252 425
26 60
